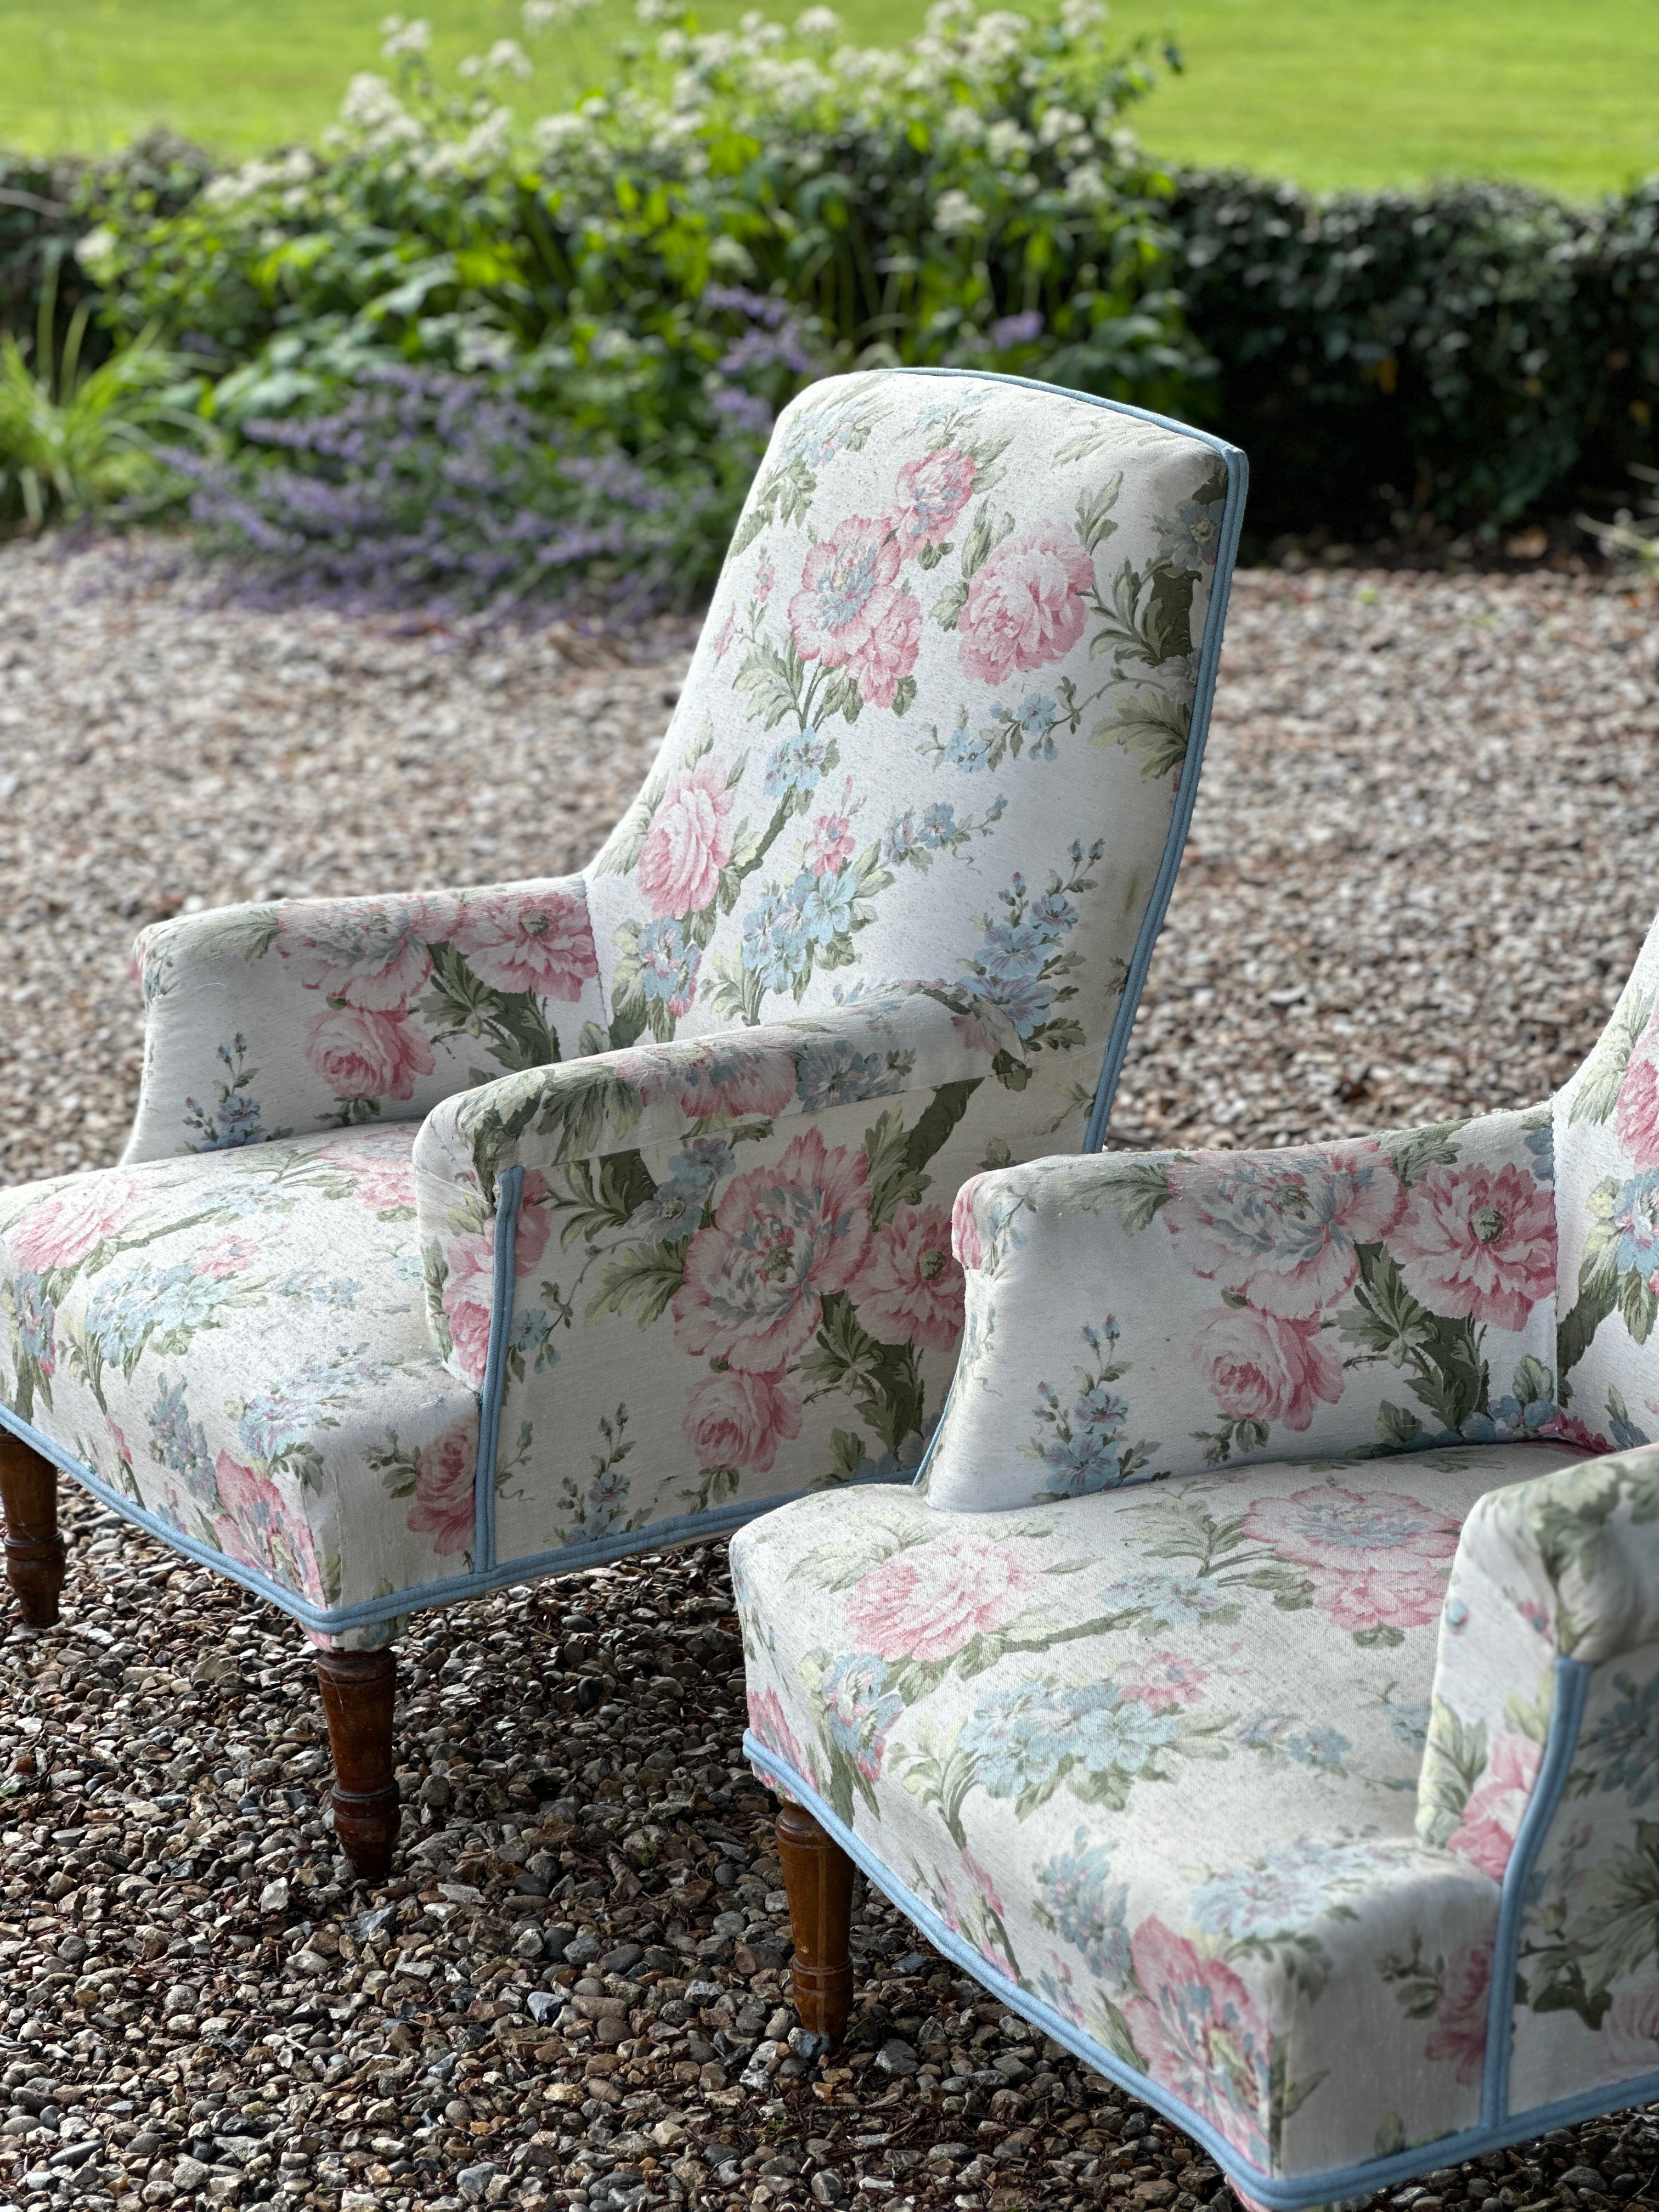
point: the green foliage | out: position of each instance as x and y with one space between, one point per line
1465 353
74 438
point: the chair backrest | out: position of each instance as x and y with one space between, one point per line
1606 1174
943 723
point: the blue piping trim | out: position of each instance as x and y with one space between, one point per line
1280 2195
508 1191
1573 1680
1209 665
372 1613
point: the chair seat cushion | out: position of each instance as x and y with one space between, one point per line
234 1345
1147 1762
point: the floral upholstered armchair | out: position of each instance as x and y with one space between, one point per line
470 1236
1261 1692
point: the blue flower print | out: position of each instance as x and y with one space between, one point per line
830 1073
180 1444
1081 1903
1054 914
1029 1737
774 946
1013 949
824 904
680 1203
794 765
1624 1745
669 964
34 1316
1304 1881
859 1711
937 826
1636 1217
965 750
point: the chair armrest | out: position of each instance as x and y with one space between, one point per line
646 1135
271 1021
1564 1567
1134 1315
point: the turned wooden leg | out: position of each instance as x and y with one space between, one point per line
358 1690
818 1877
34 1550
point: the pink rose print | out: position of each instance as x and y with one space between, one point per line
1259 1368
360 1054
730 1081
738 1421
1568 1429
765 577
1478 1243
1200 2033
1161 1680
1629 2033
931 492
911 1291
927 1602
378 1161
850 612
232 1257
1459 2012
1485 1834
690 842
469 1291
467 1298
965 1241
537 941
1636 1114
1024 608
1281 1228
371 954
63 1229
830 844
724 635
1374 1561
782 1239
445 1505
770 1725
257 1529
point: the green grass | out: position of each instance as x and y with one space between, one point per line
1558 93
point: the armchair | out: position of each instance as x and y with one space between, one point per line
1258 1690
473 1235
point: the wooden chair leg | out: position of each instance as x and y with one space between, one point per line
818 1877
359 1689
34 1550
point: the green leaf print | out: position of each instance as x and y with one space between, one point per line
1604 1071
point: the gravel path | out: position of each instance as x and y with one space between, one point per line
1420 868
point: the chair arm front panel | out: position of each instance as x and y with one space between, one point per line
1130 1316
274 1021
731 1276
1546 1702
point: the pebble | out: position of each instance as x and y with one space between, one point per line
1420 868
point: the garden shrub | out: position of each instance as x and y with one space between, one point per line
638 284
1469 352
656 272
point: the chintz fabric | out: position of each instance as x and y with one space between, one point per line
869 929
239 1347
1562 1568
1132 1316
268 1021
1153 1755
1331 1428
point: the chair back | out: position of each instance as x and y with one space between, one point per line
943 724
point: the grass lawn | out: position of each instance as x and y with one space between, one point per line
1329 91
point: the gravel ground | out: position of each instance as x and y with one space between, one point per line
1419 870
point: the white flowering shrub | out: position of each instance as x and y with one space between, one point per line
665 263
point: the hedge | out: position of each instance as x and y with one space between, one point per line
1469 354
